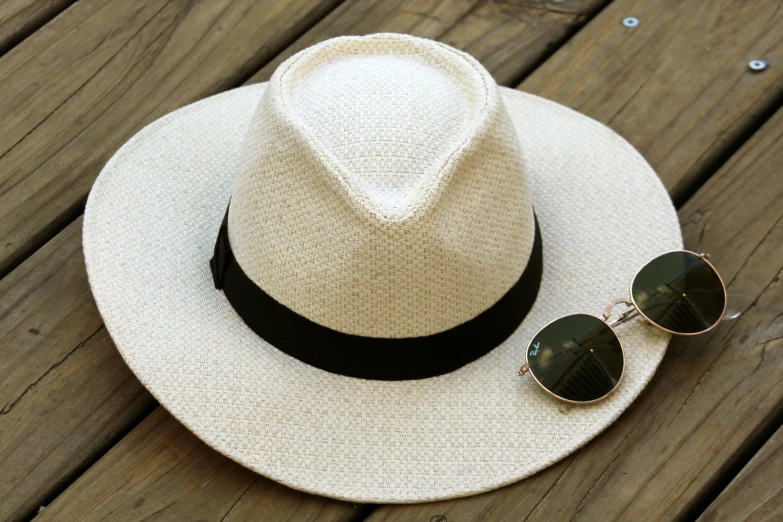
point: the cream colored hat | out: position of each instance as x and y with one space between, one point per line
331 278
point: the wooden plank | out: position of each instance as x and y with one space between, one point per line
67 244
162 471
20 18
677 85
78 88
127 63
148 67
508 38
714 395
756 494
52 337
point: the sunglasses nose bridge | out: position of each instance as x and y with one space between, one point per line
608 312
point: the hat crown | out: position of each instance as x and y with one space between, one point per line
381 190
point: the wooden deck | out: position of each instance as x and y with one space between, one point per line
81 439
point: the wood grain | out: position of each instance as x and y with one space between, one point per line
44 276
756 494
59 363
77 89
677 86
20 18
162 471
712 396
121 76
509 37
65 394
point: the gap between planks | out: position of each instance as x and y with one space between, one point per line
21 18
144 67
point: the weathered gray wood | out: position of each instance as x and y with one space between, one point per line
677 85
163 57
20 18
161 471
508 38
57 362
125 64
47 353
72 93
756 494
712 394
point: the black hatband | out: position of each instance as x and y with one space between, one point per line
388 359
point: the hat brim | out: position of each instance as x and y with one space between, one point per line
149 231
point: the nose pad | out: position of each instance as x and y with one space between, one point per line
647 324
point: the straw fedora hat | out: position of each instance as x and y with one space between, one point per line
331 277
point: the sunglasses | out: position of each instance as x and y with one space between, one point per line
579 358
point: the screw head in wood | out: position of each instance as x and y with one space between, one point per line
630 21
758 65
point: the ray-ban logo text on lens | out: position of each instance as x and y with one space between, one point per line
535 351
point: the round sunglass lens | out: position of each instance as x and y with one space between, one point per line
680 292
577 358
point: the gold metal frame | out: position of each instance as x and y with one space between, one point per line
706 259
526 367
633 311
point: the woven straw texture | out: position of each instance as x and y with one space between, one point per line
394 162
153 216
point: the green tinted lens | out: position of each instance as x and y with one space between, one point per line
679 292
578 358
